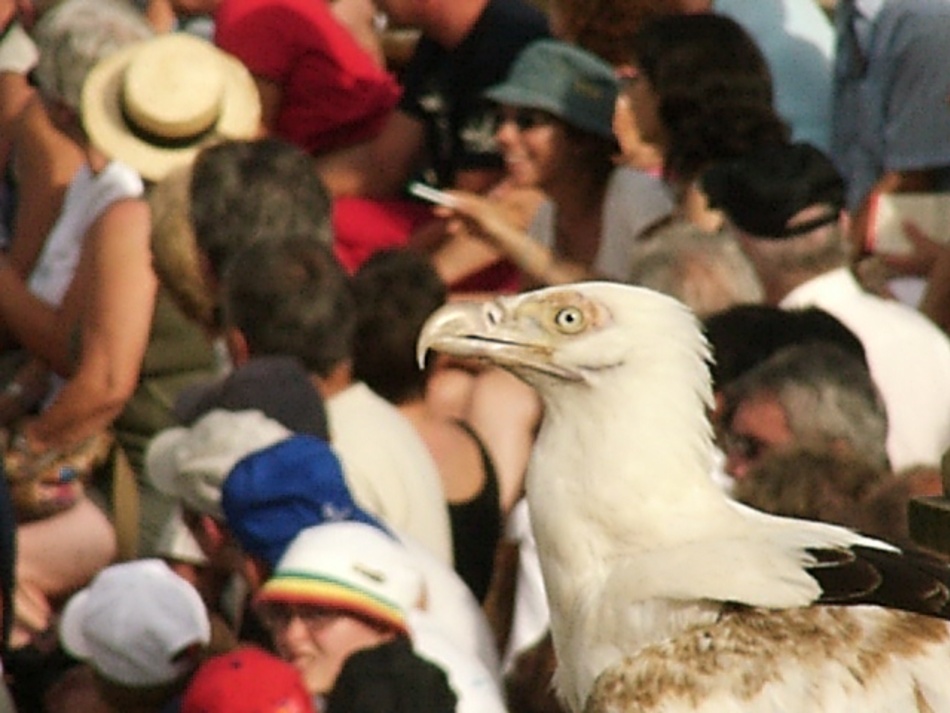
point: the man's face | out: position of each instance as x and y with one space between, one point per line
215 541
758 426
318 641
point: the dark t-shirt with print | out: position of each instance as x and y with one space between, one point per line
443 88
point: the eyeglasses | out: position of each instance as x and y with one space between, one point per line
524 118
744 446
277 616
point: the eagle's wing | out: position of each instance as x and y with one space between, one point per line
816 659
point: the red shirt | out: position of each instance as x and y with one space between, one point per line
334 94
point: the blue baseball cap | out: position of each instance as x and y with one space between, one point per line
273 494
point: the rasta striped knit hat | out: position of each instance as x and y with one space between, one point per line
348 567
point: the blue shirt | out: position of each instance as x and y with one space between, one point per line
798 43
891 91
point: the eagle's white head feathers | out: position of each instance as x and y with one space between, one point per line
637 544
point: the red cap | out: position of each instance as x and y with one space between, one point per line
246 680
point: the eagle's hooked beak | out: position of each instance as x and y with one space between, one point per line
494 331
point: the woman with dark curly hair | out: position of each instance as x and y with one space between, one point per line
699 89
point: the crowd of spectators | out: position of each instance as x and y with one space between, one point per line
229 486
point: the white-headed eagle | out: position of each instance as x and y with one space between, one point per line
666 595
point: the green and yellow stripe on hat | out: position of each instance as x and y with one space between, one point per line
302 588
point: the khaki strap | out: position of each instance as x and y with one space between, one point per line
125 505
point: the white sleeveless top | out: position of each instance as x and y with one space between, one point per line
87 196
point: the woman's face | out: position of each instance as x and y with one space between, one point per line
318 641
533 144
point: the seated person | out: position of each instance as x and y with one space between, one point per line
555 113
810 395
292 298
141 631
246 680
396 290
274 493
345 590
319 89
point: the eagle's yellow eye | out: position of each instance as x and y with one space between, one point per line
569 320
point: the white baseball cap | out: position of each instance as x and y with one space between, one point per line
134 622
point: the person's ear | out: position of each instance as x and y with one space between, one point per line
255 572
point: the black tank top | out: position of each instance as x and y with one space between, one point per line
476 527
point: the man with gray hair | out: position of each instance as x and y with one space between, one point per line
814 396
785 202
706 271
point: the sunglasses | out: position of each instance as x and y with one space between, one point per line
524 118
276 616
627 76
744 446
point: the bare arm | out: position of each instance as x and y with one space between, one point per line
482 217
45 163
377 168
936 300
47 331
505 413
161 15
115 322
271 97
15 94
358 16
890 182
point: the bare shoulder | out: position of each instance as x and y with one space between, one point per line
126 221
457 456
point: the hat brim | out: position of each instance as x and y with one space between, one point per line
175 541
161 467
333 595
519 96
102 117
70 626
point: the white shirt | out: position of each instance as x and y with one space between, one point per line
909 359
531 616
388 468
18 52
452 607
476 690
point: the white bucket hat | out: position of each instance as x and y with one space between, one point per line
191 463
155 104
134 622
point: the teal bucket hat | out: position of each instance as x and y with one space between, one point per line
570 83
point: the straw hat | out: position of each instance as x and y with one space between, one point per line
155 104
